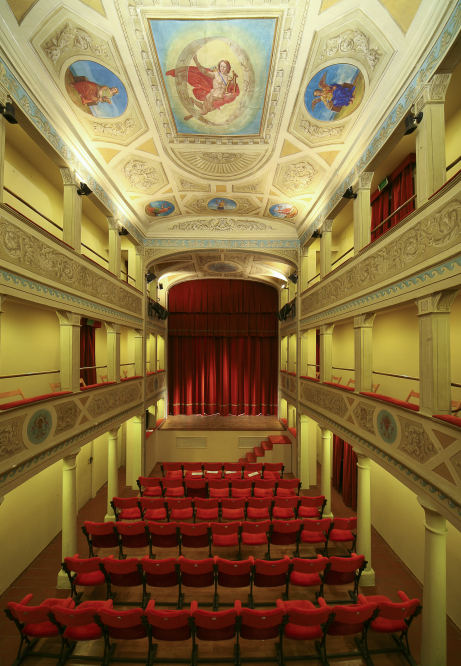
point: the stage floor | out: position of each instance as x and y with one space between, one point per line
216 422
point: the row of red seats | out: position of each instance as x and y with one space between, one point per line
218 470
152 534
213 571
293 620
206 487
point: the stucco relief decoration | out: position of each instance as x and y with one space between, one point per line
152 384
319 132
30 252
220 225
283 380
422 241
223 165
292 385
241 259
140 175
364 416
115 130
387 427
39 426
10 437
67 414
110 400
70 38
297 177
351 42
415 441
327 400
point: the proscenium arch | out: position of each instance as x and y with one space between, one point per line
149 262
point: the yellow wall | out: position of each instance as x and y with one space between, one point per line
343 351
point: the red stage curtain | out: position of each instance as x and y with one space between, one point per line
379 212
222 348
345 471
87 354
399 190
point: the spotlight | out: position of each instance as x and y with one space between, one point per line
316 234
411 123
8 111
293 277
84 190
349 194
123 232
160 311
160 286
150 277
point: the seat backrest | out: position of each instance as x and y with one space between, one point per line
125 502
79 617
225 528
260 502
233 467
168 620
192 467
233 568
320 525
210 622
305 500
265 484
193 529
253 467
130 529
158 567
235 503
218 483
397 611
345 523
120 567
122 623
172 483
212 467
179 503
149 482
242 484
151 503
11 394
302 565
273 467
255 528
350 619
412 394
286 502
161 529
30 614
341 570
196 567
260 624
285 526
272 567
99 529
171 467
212 503
77 565
288 484
306 617
194 483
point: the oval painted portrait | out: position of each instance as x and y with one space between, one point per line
95 90
219 204
335 92
284 211
159 208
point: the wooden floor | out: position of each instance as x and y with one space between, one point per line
216 422
40 579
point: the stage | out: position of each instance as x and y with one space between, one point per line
216 422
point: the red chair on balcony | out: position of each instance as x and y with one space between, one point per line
254 534
121 625
284 533
162 535
131 535
231 574
253 471
151 485
264 488
311 507
126 508
314 532
77 624
232 509
224 535
83 572
241 488
160 574
213 470
173 488
232 471
33 622
194 573
99 535
340 532
348 621
206 509
193 470
153 508
269 574
285 508
393 618
306 623
262 625
195 487
306 573
215 626
180 509
259 508
273 471
344 571
193 536
218 488
167 625
171 470
288 487
123 573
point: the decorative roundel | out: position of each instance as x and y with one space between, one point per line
334 92
222 267
387 426
284 211
95 90
39 426
221 205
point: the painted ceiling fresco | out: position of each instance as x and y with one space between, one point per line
216 118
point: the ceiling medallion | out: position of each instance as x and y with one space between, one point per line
222 267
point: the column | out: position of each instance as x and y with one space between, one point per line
303 451
364 515
304 272
112 473
138 352
115 244
362 212
325 248
434 629
152 353
325 472
3 100
363 352
431 172
326 341
139 438
72 210
434 352
69 323
139 274
69 513
113 351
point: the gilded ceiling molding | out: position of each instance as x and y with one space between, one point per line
298 176
220 225
254 187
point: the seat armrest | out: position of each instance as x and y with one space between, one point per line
362 599
403 596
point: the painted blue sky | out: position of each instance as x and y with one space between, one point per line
103 77
341 73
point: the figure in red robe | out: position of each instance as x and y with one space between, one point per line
92 93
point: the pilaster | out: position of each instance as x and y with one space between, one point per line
138 352
326 346
364 515
139 439
139 268
363 352
112 473
69 332
113 352
115 244
325 471
72 210
3 99
325 248
362 212
69 513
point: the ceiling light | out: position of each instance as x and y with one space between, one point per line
123 232
150 277
8 111
84 190
349 194
412 122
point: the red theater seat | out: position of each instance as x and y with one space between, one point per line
173 488
194 536
306 623
167 625
340 532
218 488
83 572
216 626
231 574
344 571
224 535
195 573
171 470
180 509
99 535
131 535
254 534
160 573
284 533
311 507
153 508
288 487
121 625
262 625
348 621
241 488
269 574
151 485
206 509
314 532
123 573
285 508
273 471
162 535
195 487
232 509
126 508
78 624
259 508
306 573
264 488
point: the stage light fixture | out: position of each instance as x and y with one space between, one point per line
150 277
8 111
316 234
160 286
293 277
123 232
160 311
84 190
349 194
412 122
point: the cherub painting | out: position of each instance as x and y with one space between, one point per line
334 92
159 208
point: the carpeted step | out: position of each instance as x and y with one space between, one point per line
267 446
259 451
279 439
284 421
294 432
251 458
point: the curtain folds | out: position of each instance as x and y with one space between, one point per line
87 354
399 190
345 471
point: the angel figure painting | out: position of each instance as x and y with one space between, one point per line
335 92
95 90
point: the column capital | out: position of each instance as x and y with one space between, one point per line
113 223
433 92
112 329
365 320
69 177
114 432
325 432
439 302
139 249
138 332
304 251
326 329
2 298
68 318
69 462
364 180
326 226
3 95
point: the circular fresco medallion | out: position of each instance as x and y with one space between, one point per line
284 211
39 426
159 208
335 92
95 90
221 205
387 426
222 267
